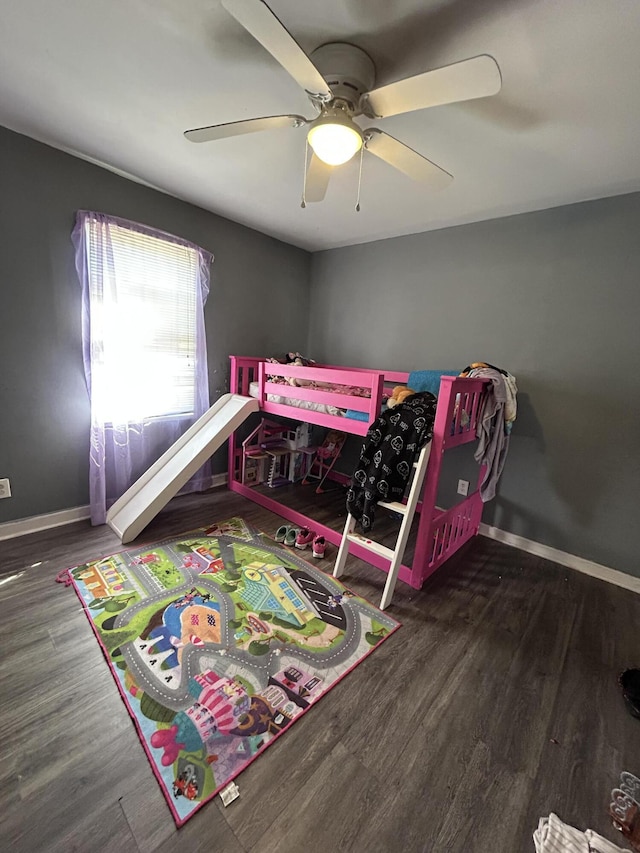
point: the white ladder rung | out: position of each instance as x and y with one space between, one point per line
394 555
371 545
394 506
397 506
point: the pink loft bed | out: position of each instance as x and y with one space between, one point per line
343 392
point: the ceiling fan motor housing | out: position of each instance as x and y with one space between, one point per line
348 70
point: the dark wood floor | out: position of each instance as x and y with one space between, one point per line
495 703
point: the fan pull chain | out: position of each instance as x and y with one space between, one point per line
303 203
359 179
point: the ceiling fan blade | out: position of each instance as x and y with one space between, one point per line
317 180
401 157
258 19
237 128
462 81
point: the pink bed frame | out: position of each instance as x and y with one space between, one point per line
440 532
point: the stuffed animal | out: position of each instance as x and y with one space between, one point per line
399 395
301 361
296 358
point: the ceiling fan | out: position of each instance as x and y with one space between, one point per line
339 80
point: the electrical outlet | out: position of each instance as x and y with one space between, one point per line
463 487
5 488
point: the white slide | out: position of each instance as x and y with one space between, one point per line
131 513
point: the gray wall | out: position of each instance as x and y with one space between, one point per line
258 304
552 296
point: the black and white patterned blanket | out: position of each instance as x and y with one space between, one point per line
389 450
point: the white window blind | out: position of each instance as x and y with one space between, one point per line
143 295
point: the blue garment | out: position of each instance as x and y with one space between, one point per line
355 415
428 380
419 380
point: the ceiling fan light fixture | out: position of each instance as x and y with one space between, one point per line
334 137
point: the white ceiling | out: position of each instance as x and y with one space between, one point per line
117 82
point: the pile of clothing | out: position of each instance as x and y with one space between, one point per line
554 836
395 438
494 426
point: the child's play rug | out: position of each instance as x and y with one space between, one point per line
219 640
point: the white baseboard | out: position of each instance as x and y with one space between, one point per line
216 480
36 523
49 520
587 567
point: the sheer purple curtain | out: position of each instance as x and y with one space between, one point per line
125 439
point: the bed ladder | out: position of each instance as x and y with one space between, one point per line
407 510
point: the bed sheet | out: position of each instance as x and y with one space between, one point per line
310 405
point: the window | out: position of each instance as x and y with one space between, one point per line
143 302
144 347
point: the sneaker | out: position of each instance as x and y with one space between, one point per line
318 547
290 538
305 537
281 532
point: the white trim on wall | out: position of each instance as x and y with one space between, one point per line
49 520
24 526
571 561
36 523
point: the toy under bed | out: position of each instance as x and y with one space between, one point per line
441 532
